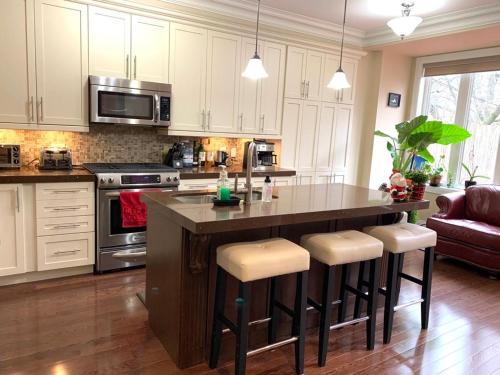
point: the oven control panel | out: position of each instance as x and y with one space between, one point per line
128 180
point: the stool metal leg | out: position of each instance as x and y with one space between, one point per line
299 320
359 286
390 296
325 314
273 313
344 278
372 302
220 297
243 305
398 281
426 286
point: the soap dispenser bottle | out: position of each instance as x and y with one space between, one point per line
223 190
267 190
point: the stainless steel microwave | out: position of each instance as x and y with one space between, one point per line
130 102
10 156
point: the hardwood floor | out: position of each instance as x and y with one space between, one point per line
97 325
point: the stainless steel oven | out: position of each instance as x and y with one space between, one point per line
129 102
117 246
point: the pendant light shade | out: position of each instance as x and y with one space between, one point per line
255 68
339 80
406 24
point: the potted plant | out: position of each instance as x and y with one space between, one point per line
471 171
418 180
436 172
415 136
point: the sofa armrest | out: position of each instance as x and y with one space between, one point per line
451 205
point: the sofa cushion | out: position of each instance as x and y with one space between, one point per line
482 203
467 231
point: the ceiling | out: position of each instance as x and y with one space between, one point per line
365 15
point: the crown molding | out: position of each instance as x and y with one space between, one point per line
448 23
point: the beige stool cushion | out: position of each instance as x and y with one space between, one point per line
343 247
402 237
248 261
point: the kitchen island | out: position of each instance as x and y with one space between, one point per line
184 230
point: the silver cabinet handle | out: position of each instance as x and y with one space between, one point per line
65 226
127 64
156 104
209 118
307 89
18 206
262 120
135 67
203 119
302 84
32 109
66 251
65 208
241 121
342 95
41 108
65 191
125 255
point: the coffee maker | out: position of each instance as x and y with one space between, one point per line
265 153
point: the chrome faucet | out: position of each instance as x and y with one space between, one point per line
251 163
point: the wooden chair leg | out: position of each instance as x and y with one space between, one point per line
273 313
374 280
426 286
220 297
344 278
300 315
398 280
358 301
390 296
325 314
243 305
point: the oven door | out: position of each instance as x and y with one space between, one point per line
109 221
115 105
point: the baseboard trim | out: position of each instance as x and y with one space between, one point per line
45 275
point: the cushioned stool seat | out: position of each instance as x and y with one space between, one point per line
249 261
343 247
402 237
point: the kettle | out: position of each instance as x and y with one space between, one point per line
220 158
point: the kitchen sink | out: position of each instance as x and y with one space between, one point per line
208 198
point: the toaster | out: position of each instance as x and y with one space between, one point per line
55 158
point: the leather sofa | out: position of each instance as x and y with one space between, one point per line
468 226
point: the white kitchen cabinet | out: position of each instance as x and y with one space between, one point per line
306 143
331 66
314 75
295 73
12 237
61 62
223 78
109 43
350 67
150 49
343 121
292 114
17 73
248 94
271 88
65 250
198 184
305 178
325 137
188 63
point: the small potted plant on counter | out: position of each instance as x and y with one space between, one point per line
418 180
436 172
471 171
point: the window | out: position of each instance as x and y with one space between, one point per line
471 100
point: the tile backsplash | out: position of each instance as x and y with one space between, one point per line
111 143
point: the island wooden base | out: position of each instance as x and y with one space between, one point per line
180 283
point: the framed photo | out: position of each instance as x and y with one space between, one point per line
394 100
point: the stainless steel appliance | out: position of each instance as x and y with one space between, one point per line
220 158
10 156
130 102
55 158
119 247
265 153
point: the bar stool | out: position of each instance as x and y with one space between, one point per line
399 239
342 249
247 262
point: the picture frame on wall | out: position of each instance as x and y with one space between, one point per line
394 100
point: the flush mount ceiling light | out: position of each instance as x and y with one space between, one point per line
406 24
255 69
339 80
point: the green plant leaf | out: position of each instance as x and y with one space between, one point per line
382 134
421 141
426 155
467 170
406 128
452 134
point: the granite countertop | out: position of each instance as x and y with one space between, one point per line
213 172
292 205
34 175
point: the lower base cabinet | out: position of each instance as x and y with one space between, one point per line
66 250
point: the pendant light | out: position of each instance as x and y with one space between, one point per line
255 69
406 24
339 80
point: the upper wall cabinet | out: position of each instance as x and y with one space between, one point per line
17 72
126 46
61 62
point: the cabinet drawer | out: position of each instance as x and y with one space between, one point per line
67 250
65 190
64 225
64 207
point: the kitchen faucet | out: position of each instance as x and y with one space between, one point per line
251 163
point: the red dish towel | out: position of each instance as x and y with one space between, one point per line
134 212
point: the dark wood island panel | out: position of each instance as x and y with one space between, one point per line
181 261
